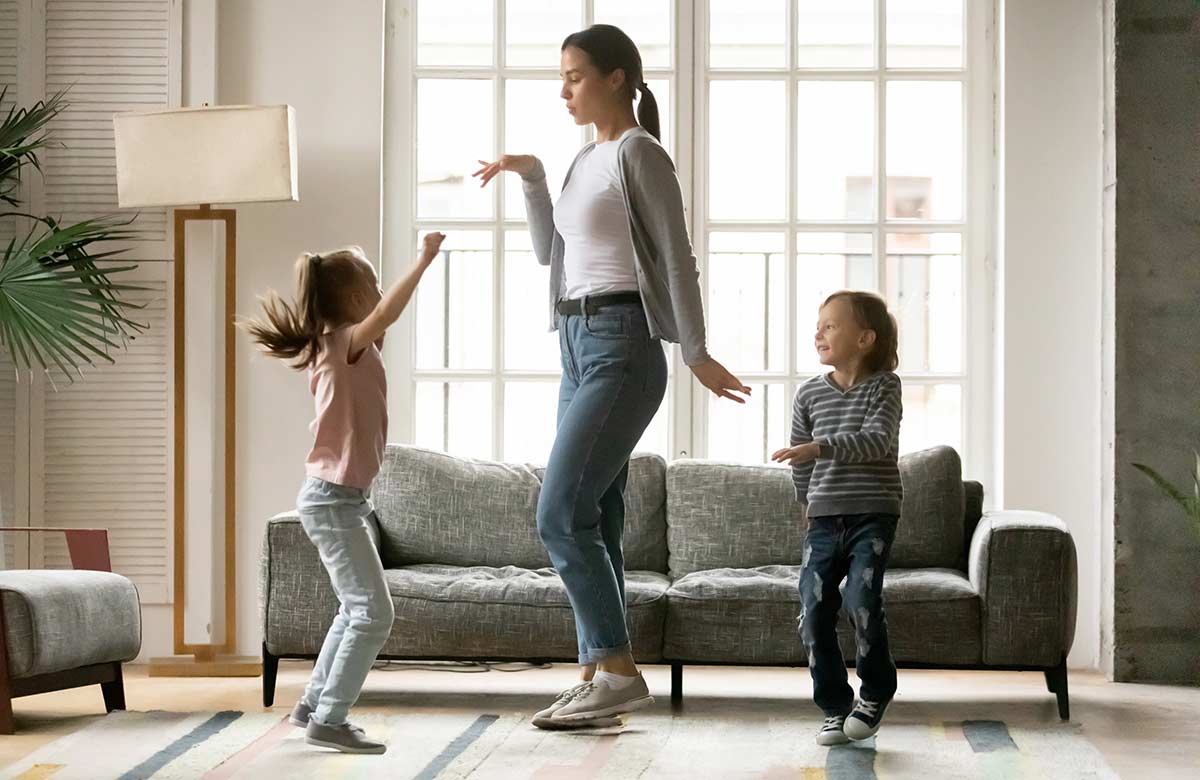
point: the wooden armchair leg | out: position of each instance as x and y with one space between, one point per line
114 691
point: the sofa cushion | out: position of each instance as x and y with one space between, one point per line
932 515
742 516
724 514
751 616
60 620
507 612
437 508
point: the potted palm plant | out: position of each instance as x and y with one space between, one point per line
60 309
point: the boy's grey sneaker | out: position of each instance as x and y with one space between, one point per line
598 700
345 737
865 720
832 731
300 714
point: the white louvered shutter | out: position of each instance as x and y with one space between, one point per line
12 511
114 56
105 450
102 446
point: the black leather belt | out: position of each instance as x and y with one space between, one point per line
596 302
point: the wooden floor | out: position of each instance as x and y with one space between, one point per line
1144 731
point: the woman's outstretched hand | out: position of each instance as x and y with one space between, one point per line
717 378
521 164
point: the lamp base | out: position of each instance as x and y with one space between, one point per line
217 666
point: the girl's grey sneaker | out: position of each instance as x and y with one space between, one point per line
544 719
345 737
832 732
300 714
599 700
865 720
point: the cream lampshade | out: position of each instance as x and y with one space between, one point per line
202 156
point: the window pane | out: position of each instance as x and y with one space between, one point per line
826 263
647 22
924 150
454 304
835 34
454 129
932 417
455 417
530 417
749 433
747 34
747 300
655 438
924 292
924 33
536 122
536 29
454 33
528 344
835 150
747 174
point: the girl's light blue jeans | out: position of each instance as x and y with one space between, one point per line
341 522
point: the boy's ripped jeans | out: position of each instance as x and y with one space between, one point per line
855 548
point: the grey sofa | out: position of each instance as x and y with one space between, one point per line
712 554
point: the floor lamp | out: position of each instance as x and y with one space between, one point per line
209 155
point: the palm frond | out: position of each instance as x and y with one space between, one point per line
60 309
22 133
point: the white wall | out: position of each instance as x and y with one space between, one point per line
1049 325
326 60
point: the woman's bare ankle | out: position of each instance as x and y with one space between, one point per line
586 673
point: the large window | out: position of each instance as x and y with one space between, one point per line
821 144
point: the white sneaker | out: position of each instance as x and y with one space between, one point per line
544 719
600 700
865 720
832 732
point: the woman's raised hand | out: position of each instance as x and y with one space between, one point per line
521 164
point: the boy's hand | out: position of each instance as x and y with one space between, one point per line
795 456
430 247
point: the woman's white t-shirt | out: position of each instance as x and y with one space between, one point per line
590 216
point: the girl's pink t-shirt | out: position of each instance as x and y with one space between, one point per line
350 428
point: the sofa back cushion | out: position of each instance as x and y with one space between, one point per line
438 508
741 516
730 515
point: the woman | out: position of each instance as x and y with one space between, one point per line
622 279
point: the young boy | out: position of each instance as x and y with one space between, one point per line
845 436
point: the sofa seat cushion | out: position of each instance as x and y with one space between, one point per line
59 620
751 616
507 612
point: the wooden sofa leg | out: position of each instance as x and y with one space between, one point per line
676 685
270 670
1056 682
114 691
7 726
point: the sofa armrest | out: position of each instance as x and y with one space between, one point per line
1023 566
296 600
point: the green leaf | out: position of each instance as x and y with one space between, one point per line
1172 491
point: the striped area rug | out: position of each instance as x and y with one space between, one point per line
442 743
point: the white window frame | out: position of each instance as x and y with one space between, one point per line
687 428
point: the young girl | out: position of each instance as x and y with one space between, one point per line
845 437
334 330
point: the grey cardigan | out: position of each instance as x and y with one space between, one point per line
668 278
